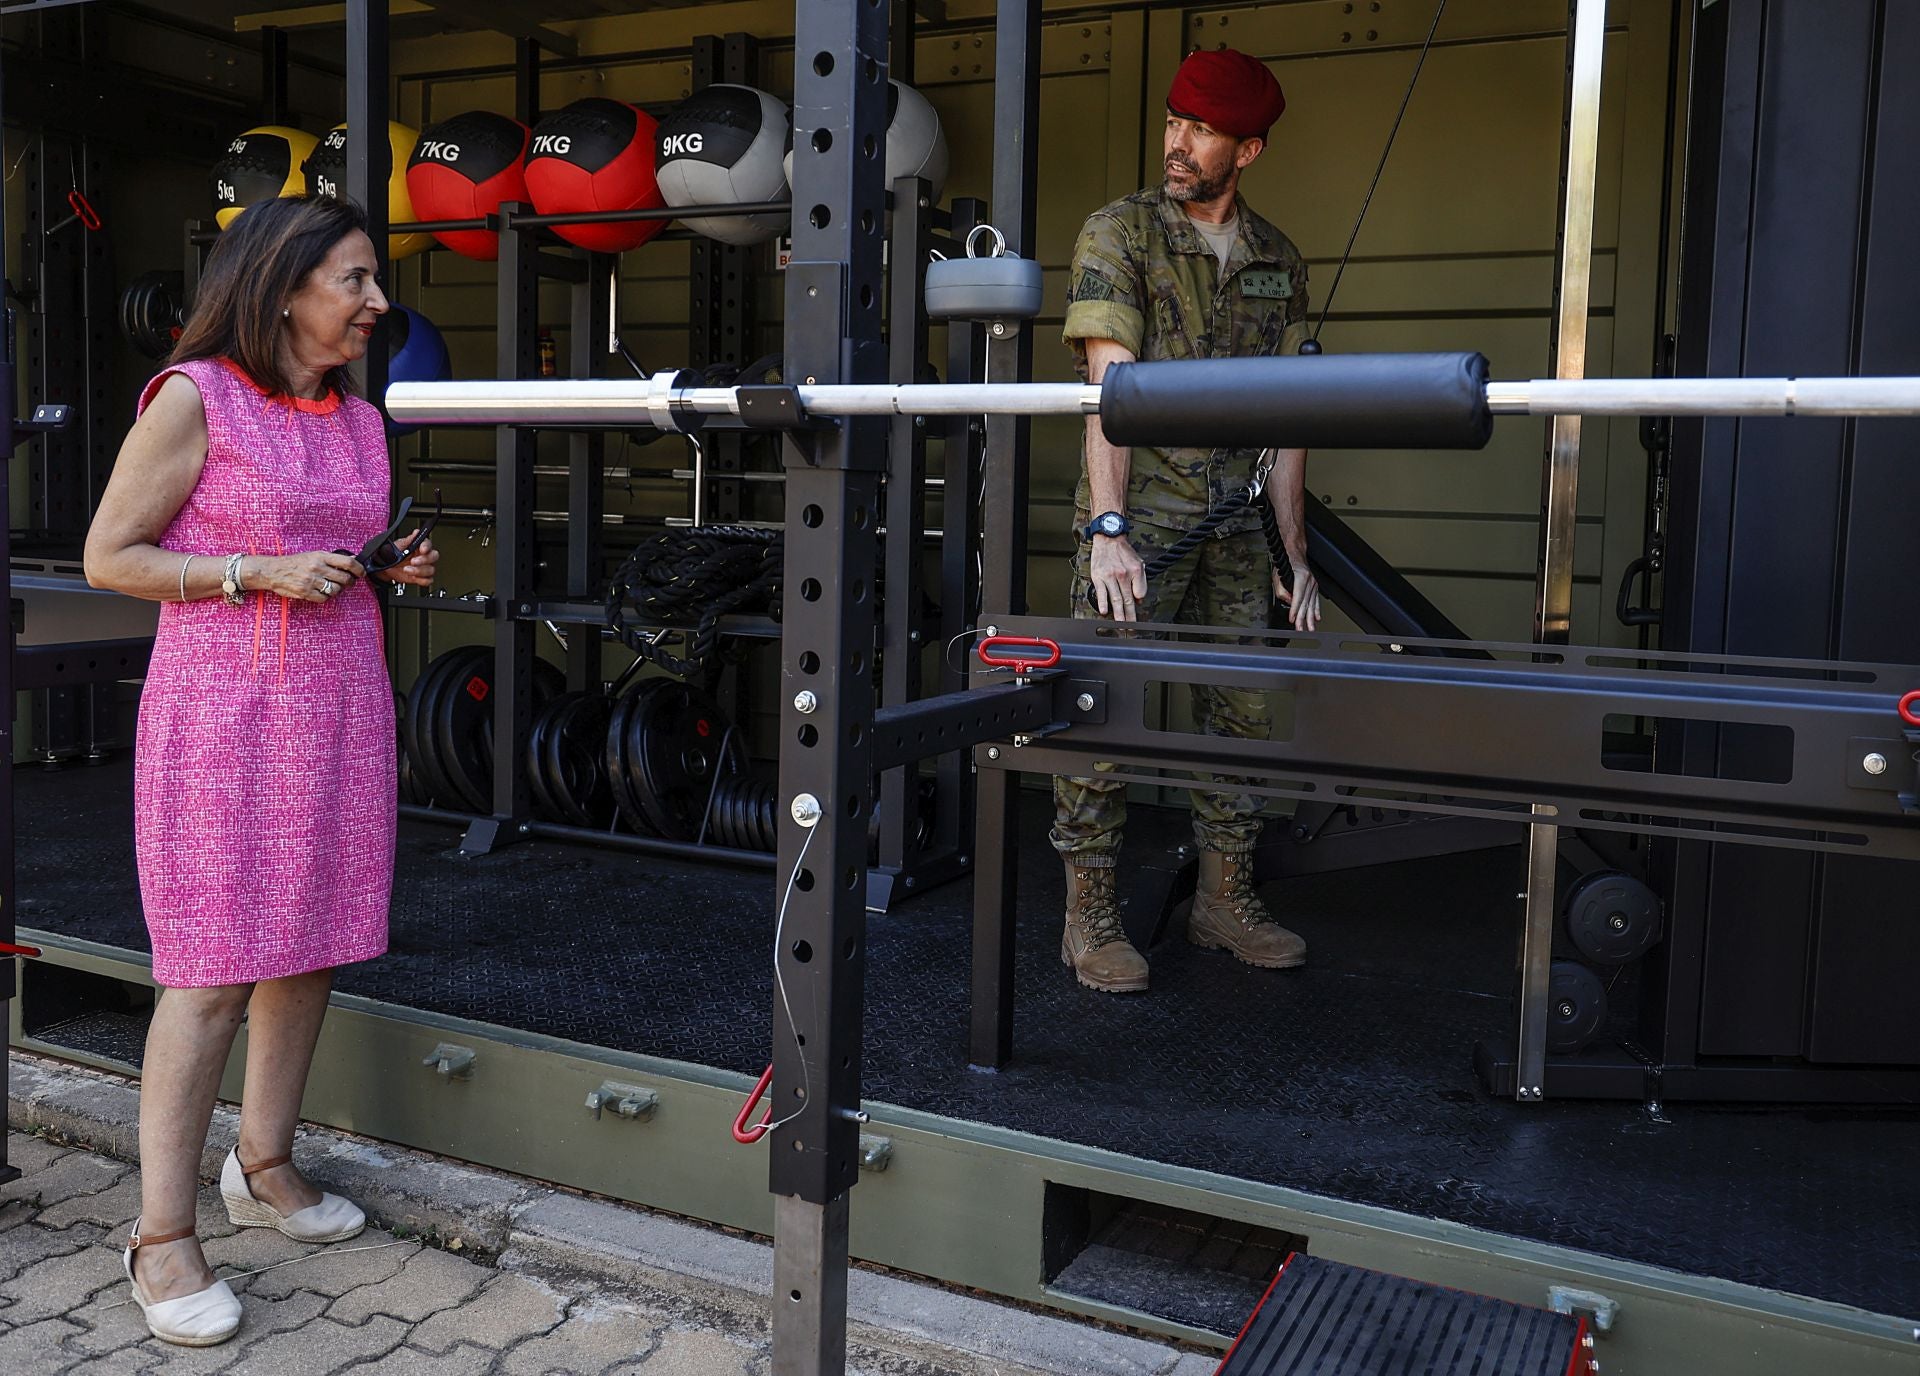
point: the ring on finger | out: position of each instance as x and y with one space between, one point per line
328 587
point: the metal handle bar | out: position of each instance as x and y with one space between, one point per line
664 402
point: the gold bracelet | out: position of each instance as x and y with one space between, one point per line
183 576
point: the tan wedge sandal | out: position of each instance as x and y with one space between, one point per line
201 1319
333 1219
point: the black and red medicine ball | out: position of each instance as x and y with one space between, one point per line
596 154
465 167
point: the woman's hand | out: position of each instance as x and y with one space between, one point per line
300 576
418 568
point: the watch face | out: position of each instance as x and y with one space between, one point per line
1111 524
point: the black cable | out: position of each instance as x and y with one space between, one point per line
1385 153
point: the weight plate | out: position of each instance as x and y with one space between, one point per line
541 781
1576 1007
576 763
152 311
463 713
723 823
1613 918
619 776
421 746
463 725
678 744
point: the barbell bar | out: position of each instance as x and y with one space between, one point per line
1431 401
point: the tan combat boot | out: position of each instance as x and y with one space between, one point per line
1228 914
1094 943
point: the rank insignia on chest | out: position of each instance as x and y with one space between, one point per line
1266 284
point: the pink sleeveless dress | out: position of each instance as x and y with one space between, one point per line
264 787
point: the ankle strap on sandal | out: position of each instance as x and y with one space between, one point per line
139 1239
259 1166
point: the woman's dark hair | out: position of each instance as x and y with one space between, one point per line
260 261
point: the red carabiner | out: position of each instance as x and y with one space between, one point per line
743 1134
8 948
1023 663
83 208
1910 708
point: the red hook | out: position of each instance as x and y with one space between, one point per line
83 208
8 948
1023 663
1910 708
743 1134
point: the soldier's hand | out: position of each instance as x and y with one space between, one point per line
1302 600
1118 577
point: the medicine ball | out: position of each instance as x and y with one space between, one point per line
416 352
465 167
722 146
596 154
916 144
327 176
260 165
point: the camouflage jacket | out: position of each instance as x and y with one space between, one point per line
1143 277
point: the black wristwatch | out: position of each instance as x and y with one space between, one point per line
1106 523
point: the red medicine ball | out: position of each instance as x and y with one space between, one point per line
596 154
465 167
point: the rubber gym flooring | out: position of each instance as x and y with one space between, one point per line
1351 1078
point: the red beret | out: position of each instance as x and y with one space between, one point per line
1230 91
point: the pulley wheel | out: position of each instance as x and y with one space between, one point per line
677 745
1613 918
1576 1007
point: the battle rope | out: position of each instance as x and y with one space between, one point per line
689 579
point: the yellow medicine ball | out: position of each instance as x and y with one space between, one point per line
259 165
326 169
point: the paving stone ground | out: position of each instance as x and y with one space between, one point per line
377 1305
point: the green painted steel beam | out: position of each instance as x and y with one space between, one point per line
963 1202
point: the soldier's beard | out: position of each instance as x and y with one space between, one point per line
1202 188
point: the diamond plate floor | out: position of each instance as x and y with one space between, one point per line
1350 1078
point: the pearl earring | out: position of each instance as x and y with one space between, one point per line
286 315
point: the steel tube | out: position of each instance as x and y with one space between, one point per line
612 401
1706 396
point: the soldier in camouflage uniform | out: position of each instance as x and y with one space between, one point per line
1184 270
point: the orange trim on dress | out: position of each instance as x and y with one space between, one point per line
325 406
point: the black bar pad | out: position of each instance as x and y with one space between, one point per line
1330 401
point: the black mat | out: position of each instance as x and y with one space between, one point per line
1350 1078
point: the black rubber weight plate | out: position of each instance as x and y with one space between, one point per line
546 724
576 763
674 748
463 727
422 747
462 712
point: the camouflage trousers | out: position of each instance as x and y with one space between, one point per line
1228 581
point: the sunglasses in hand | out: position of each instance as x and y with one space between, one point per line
384 551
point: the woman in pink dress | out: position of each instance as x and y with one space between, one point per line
263 775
